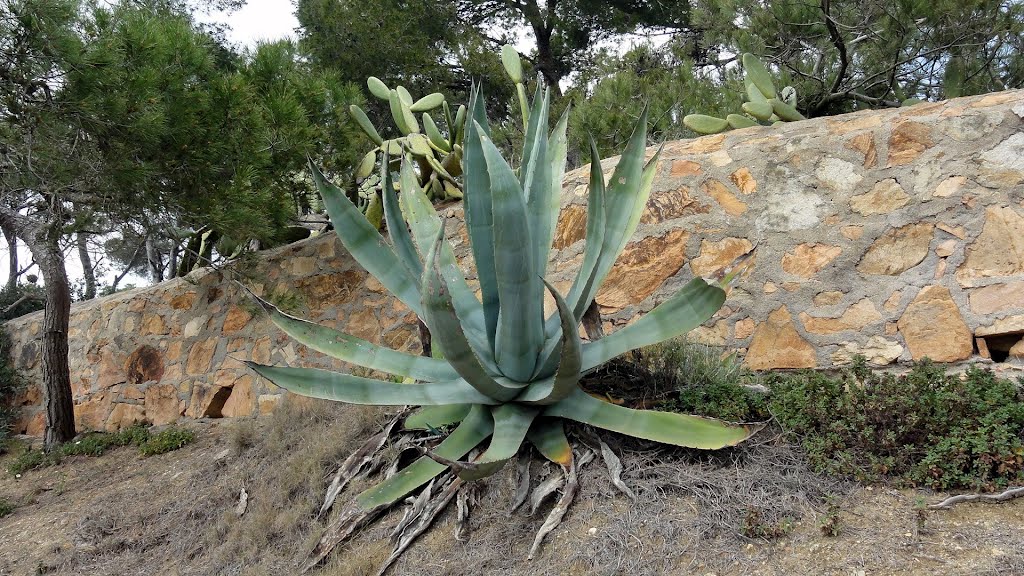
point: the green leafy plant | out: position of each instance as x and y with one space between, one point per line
765 104
925 428
97 444
6 507
508 372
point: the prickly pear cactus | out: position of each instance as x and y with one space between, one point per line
437 150
764 106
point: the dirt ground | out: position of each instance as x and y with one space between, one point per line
754 511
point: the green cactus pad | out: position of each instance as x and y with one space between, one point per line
759 110
428 102
740 121
785 111
758 74
513 66
378 88
364 123
703 124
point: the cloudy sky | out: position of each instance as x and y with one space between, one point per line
260 20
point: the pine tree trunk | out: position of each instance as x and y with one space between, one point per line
12 257
156 265
81 239
60 412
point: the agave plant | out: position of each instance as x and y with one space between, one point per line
508 373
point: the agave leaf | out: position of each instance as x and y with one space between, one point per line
520 330
433 417
398 231
625 198
479 218
558 148
535 127
568 374
548 436
582 288
476 426
688 308
440 316
366 245
539 193
511 423
329 385
666 427
426 225
356 350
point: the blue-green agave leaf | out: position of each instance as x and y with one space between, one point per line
397 228
445 328
328 385
433 417
548 436
688 308
477 209
356 350
666 427
511 422
474 429
520 330
366 244
551 390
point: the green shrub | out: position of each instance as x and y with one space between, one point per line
702 380
32 459
6 507
167 441
97 443
925 428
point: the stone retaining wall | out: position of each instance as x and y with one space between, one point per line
895 234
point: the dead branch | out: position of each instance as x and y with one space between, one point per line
1001 497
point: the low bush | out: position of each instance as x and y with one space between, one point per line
97 443
6 507
924 428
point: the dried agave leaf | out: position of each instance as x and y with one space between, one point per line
359 459
615 470
522 481
554 518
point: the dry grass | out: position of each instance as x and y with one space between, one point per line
175 514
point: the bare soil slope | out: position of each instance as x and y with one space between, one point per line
751 511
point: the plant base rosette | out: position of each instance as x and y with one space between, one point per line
509 374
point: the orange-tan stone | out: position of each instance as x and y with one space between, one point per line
806 260
856 317
997 298
744 180
571 227
907 141
162 404
671 204
932 327
716 256
898 250
642 268
732 205
777 344
883 198
998 251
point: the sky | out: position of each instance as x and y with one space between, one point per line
260 20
